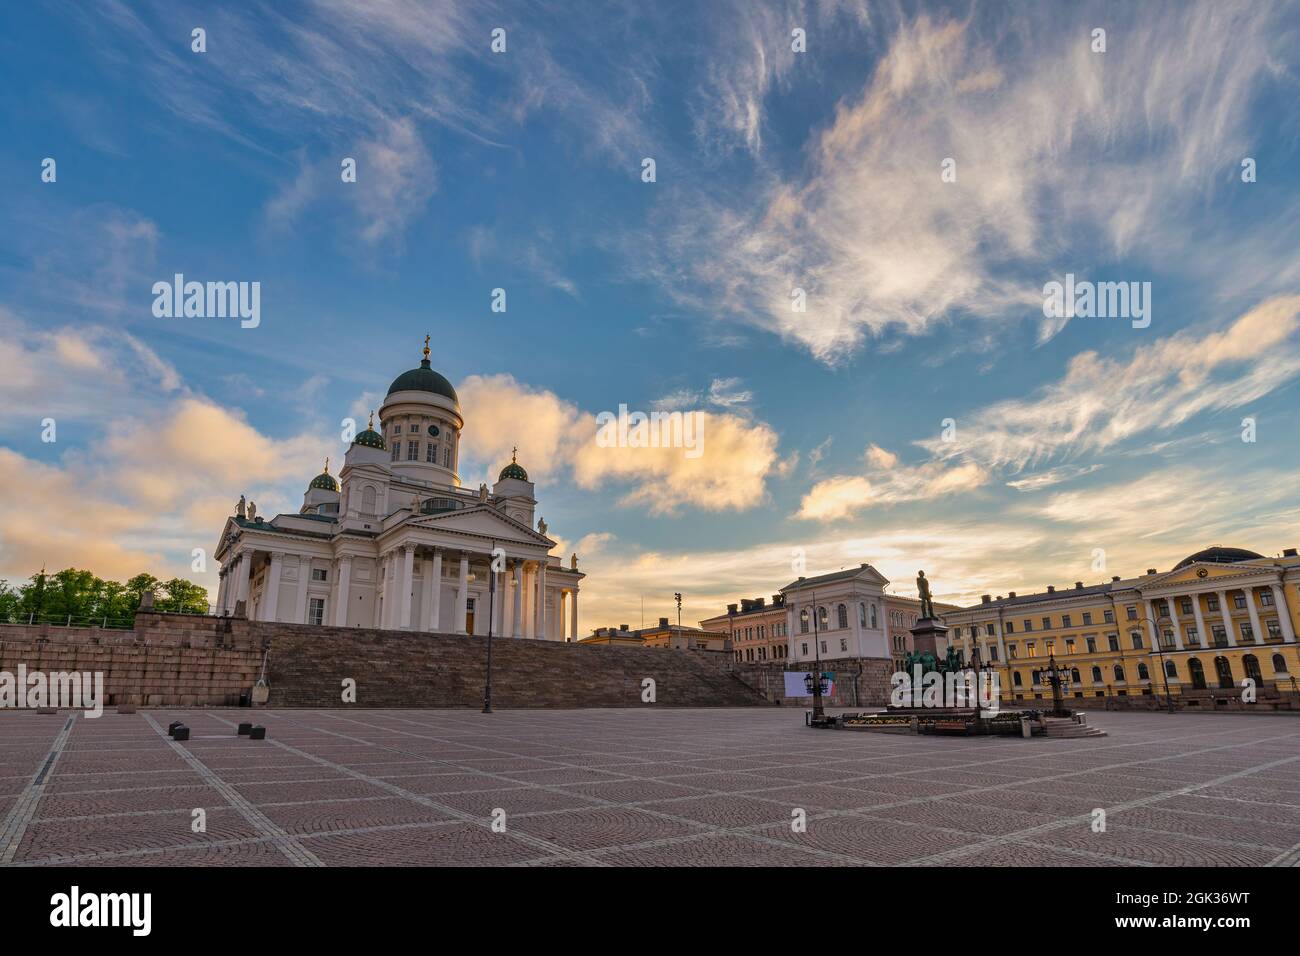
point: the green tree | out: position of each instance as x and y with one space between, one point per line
183 596
136 587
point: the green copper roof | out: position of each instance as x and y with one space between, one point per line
325 481
423 379
513 470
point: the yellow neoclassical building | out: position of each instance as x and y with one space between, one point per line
1219 616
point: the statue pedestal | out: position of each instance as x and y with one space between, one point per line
930 636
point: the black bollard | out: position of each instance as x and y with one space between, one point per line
171 728
257 733
182 733
244 729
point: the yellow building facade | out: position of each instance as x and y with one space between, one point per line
1195 632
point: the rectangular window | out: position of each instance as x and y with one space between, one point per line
316 611
844 645
1220 635
1274 631
1029 625
1109 617
990 630
1011 627
397 449
1069 645
1092 645
1087 617
1185 605
1132 612
1011 651
1192 637
1031 650
412 451
1047 624
1065 620
1266 598
1113 641
804 645
446 457
1240 601
1247 632
823 647
1136 638
1051 648
1212 602
431 453
318 574
956 632
993 652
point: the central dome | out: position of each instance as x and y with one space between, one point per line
423 379
1218 555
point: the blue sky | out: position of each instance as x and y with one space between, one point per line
774 169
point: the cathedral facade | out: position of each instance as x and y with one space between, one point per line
395 542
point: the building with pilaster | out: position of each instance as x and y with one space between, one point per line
395 542
1218 617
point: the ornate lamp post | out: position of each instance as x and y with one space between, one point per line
492 594
815 679
1057 681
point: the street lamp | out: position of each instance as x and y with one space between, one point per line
492 595
816 678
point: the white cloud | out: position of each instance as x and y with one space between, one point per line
887 481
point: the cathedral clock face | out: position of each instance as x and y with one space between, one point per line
433 431
1202 572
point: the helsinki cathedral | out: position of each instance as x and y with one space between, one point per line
395 542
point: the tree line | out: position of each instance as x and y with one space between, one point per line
86 598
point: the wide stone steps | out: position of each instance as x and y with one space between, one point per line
1066 727
308 665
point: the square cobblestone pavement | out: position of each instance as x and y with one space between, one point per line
652 787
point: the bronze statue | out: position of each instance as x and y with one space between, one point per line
923 588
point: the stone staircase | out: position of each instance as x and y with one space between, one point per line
307 665
1068 727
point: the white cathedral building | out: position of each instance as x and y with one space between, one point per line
395 542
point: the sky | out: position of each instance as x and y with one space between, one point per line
917 174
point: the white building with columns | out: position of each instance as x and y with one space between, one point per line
396 543
845 610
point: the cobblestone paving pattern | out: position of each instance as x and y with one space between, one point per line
639 788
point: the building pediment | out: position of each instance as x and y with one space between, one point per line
482 521
1207 573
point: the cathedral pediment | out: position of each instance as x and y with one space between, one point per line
483 521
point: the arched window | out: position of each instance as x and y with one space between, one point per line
803 621
842 616
1074 675
1171 669
823 622
1197 671
862 614
1251 663
1015 679
1223 669
873 616
1279 664
1143 673
1096 675
1119 672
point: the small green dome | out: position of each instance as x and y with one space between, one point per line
325 481
370 438
513 470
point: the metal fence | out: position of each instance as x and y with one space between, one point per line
105 621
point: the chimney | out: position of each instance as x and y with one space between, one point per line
1151 570
731 609
622 627
1078 585
801 577
1114 577
1011 594
984 599
1051 589
760 602
1288 552
663 622
746 605
778 600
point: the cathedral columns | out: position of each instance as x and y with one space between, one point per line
517 618
304 578
345 581
245 567
404 595
432 592
271 590
462 594
541 601
573 614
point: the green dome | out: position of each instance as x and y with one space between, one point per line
325 481
370 439
423 379
513 470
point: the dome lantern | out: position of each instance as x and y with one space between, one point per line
514 469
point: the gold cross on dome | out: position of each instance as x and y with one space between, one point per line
426 346
513 453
